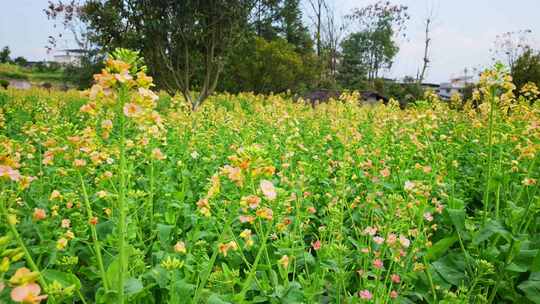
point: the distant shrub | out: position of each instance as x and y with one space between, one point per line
4 83
20 61
42 67
12 72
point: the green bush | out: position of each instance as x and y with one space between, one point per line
4 83
12 71
264 66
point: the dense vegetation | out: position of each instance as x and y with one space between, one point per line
36 74
127 196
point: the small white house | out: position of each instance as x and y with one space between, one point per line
69 56
455 86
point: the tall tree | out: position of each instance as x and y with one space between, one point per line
526 68
292 27
184 42
318 7
378 24
510 46
4 55
428 22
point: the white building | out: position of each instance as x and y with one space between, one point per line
455 86
69 56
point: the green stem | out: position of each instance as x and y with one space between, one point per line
151 196
430 279
97 247
490 152
122 199
253 269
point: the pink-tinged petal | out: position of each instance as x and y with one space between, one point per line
268 190
33 288
19 293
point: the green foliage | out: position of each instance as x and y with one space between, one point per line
269 66
20 61
372 48
4 83
12 72
4 55
527 69
133 58
83 75
405 93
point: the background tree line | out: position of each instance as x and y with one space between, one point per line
197 47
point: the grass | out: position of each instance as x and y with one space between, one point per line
10 71
258 199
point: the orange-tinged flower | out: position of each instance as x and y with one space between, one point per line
246 219
7 171
93 221
265 213
246 234
61 244
529 181
385 172
405 242
204 207
69 235
284 261
39 214
225 247
158 155
146 93
107 124
316 245
28 293
132 109
180 247
409 186
78 163
66 223
252 201
55 195
22 276
365 295
268 190
234 174
123 76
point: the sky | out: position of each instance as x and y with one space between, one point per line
463 34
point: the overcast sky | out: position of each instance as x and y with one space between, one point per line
462 37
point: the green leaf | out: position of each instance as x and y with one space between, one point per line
440 248
160 275
516 268
133 286
180 290
112 271
451 268
535 267
492 227
457 217
215 299
64 278
531 287
164 232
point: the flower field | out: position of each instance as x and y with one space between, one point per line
124 196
